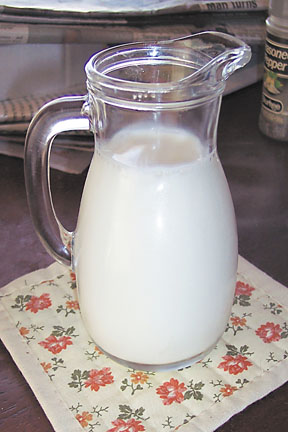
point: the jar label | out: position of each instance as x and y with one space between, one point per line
275 80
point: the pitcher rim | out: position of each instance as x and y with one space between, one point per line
98 77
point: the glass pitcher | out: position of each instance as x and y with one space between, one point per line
155 246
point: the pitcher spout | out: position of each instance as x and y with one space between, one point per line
216 55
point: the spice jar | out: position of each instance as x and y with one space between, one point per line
273 120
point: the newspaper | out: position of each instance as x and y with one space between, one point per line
19 111
72 161
249 27
127 7
118 21
251 30
72 151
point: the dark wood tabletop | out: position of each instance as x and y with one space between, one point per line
257 171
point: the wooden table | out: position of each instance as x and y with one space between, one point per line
257 171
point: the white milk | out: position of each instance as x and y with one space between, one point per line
155 247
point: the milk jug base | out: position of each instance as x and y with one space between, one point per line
159 367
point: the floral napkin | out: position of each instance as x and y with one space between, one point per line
81 389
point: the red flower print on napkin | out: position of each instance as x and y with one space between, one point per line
72 276
228 390
99 378
171 391
72 304
139 378
84 418
46 366
38 303
24 331
243 289
56 345
269 332
130 425
234 364
237 321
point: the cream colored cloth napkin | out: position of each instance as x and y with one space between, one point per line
81 389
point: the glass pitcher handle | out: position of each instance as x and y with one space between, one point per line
60 115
